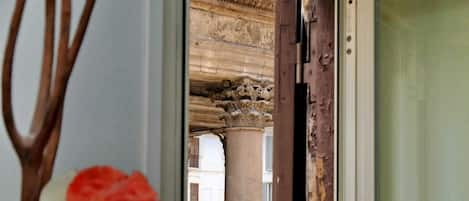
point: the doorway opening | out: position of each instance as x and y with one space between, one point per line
231 73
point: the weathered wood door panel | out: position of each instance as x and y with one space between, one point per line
319 76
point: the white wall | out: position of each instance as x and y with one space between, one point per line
422 119
211 172
152 154
211 154
105 107
212 169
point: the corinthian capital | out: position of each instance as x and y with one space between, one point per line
247 102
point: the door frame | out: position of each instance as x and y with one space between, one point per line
356 177
174 123
166 92
285 61
357 101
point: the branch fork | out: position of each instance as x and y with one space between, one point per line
37 150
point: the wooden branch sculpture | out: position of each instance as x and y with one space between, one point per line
37 150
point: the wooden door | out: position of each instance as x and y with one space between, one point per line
319 76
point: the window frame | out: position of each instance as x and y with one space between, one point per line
166 103
356 101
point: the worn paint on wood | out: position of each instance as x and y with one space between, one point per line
319 74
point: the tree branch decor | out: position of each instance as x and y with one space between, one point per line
37 150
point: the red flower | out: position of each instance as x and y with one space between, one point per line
103 183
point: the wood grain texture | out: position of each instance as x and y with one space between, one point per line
37 150
320 75
285 59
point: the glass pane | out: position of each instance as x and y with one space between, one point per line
422 112
268 153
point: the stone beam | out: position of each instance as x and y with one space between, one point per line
216 61
234 10
259 4
204 115
207 25
224 47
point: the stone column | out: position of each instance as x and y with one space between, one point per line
247 104
243 164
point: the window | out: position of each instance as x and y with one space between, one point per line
194 152
268 153
194 192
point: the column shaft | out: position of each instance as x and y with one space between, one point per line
244 164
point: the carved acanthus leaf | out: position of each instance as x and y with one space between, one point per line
246 88
246 102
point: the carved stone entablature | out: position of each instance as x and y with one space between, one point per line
206 25
247 102
204 115
260 4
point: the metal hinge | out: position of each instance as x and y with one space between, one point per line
303 39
